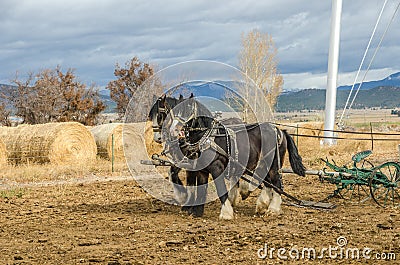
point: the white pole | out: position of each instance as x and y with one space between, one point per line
333 62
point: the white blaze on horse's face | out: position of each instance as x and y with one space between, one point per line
157 137
175 129
156 134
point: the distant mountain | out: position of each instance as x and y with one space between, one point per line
390 81
216 89
110 104
383 93
6 89
314 99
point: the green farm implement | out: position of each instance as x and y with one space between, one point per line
363 180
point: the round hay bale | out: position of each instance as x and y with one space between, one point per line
151 146
135 146
58 143
104 136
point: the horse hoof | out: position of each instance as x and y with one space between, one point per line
197 214
274 211
261 211
225 217
197 211
261 208
187 209
226 211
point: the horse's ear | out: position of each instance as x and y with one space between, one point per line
163 97
180 97
191 95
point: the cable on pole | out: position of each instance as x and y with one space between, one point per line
362 61
375 52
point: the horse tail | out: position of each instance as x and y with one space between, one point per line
296 162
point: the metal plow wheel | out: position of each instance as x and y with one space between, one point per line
384 184
356 188
355 192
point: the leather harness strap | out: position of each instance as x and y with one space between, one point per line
208 143
279 136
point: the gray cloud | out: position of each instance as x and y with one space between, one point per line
92 36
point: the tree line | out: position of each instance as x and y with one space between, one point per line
54 95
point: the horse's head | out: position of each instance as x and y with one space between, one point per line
159 112
178 116
187 113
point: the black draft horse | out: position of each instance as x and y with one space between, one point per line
254 159
158 114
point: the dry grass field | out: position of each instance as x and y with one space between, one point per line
355 118
109 219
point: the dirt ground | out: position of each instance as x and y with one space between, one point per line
115 222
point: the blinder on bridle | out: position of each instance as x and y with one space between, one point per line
161 111
168 110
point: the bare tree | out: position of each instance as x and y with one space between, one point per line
52 96
82 103
258 62
129 79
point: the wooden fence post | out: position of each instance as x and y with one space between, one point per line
372 136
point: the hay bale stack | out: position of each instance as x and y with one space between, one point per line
104 136
58 143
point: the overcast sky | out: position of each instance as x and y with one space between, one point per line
91 36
